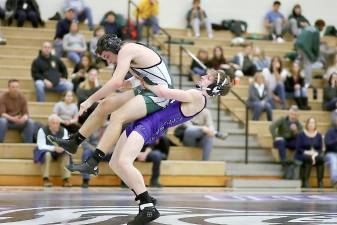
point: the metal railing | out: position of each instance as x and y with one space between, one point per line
182 49
131 3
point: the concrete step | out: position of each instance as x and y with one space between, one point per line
265 183
253 169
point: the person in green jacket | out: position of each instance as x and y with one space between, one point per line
284 132
307 46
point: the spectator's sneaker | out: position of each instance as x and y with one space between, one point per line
85 184
280 40
66 183
47 183
90 166
3 41
69 145
145 215
221 136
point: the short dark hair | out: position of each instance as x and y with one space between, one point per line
13 81
109 42
277 3
320 24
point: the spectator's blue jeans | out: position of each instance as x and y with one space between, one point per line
282 146
302 92
73 56
281 93
26 129
257 107
194 136
331 162
153 22
155 156
85 155
330 105
86 14
63 86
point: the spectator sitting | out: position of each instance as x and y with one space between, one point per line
332 67
74 44
82 12
89 86
110 24
243 62
274 77
196 16
2 13
297 21
307 46
98 32
259 97
285 131
330 140
155 154
200 132
49 73
148 11
260 60
62 28
68 112
25 10
14 113
330 93
275 22
196 69
295 87
80 70
218 60
45 151
309 152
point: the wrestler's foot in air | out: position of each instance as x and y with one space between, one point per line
69 145
145 215
90 166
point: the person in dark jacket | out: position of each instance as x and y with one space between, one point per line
297 21
155 153
307 45
330 93
63 28
110 24
80 70
218 60
309 152
196 69
25 10
259 97
285 131
330 140
295 88
49 73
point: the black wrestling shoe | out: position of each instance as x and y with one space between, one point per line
90 166
145 216
69 145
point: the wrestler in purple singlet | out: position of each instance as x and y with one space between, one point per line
155 125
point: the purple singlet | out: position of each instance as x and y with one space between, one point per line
156 124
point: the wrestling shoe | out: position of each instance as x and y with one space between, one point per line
145 215
90 166
69 145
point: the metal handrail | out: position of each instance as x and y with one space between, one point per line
131 3
183 49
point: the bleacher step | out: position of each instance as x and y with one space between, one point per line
253 169
265 183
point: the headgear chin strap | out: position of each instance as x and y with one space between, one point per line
109 42
219 88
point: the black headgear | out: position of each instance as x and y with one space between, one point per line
109 42
222 85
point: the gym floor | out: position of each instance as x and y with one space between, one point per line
178 206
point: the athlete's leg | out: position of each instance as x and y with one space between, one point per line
106 106
132 110
93 122
122 161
